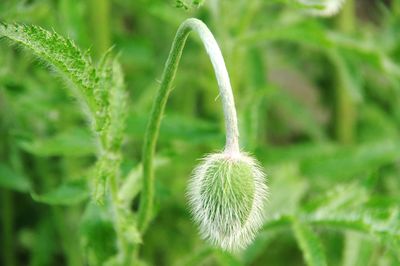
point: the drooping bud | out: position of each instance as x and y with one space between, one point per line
227 194
323 7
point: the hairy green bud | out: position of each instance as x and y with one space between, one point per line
227 195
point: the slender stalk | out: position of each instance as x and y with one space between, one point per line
345 107
254 104
347 16
68 236
396 7
100 25
153 127
123 245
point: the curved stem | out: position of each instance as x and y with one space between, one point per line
153 127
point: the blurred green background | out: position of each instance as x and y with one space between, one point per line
318 101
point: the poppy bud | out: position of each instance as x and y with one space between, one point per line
227 193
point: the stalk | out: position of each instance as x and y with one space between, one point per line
68 238
345 106
396 7
100 25
153 127
124 247
257 78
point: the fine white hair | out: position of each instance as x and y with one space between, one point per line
225 229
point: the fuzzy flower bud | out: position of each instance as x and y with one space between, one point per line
323 7
227 193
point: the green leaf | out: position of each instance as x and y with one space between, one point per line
306 32
113 131
11 180
98 234
70 193
174 126
226 259
259 246
342 197
346 162
383 225
188 4
196 257
75 66
309 244
117 109
286 178
357 250
76 142
349 75
131 186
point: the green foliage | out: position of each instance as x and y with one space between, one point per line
318 103
11 180
98 234
67 194
62 54
76 142
310 244
185 4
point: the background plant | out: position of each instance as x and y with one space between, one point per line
318 104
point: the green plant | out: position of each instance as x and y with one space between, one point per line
102 98
317 105
228 220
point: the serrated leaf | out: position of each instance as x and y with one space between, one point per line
382 224
63 54
341 197
117 107
309 243
11 180
70 193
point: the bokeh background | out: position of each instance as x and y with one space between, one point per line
318 101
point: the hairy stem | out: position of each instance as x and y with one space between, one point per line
153 127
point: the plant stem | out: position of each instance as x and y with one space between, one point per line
347 16
99 25
345 107
396 7
123 245
153 127
67 235
254 104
